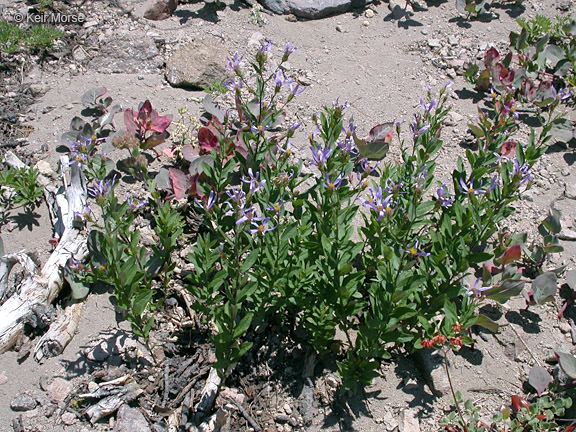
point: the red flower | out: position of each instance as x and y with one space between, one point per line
439 339
427 343
457 328
457 341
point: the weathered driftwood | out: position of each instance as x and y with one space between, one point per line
61 332
42 288
111 404
209 392
7 262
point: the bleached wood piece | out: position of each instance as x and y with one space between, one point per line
60 333
43 288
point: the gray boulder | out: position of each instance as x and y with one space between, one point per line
197 65
312 9
128 53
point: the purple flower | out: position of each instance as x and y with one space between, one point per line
442 198
563 95
414 251
135 205
521 173
428 107
292 129
287 150
276 208
280 80
333 185
477 289
363 182
232 85
294 91
209 203
493 183
85 215
285 178
259 129
234 64
236 195
101 189
255 186
320 155
245 215
75 265
312 136
392 188
420 179
346 145
468 189
366 168
349 131
259 226
383 207
288 50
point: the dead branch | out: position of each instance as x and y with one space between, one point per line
209 392
43 288
111 404
61 332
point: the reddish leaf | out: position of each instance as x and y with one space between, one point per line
518 403
506 77
180 183
145 111
207 140
159 123
375 147
491 57
169 152
129 116
189 153
508 149
154 140
513 253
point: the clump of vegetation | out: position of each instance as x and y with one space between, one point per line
14 38
279 247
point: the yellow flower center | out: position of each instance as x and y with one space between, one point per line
413 252
471 191
261 229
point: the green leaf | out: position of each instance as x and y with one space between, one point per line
539 378
544 287
571 279
567 363
242 326
505 290
554 53
562 128
250 261
487 323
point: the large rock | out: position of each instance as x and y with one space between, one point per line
312 9
128 53
197 65
130 420
160 9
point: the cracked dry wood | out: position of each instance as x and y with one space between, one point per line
43 287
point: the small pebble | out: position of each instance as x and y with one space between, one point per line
369 13
366 23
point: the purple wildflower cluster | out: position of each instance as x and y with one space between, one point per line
382 206
239 206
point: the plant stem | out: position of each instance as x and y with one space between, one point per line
453 392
